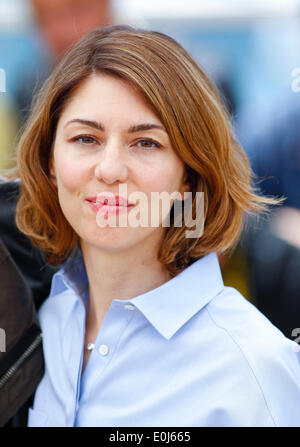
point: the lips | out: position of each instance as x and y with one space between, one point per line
109 204
109 200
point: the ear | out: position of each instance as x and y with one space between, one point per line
185 187
52 172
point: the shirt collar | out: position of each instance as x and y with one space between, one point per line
171 305
71 276
167 307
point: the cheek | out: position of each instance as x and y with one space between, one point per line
165 177
70 174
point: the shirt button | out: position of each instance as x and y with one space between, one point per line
129 306
103 349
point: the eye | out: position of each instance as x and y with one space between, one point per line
148 144
85 140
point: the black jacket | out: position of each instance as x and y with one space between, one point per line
21 359
30 261
25 281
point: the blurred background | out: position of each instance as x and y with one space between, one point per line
251 49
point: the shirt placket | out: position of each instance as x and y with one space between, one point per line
73 344
106 344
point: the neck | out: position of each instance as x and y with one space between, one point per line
119 276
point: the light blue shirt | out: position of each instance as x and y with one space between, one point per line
190 352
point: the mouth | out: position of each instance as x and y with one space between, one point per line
109 205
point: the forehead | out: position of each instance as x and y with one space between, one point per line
103 96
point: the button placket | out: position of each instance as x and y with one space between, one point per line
111 331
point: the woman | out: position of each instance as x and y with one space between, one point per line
139 329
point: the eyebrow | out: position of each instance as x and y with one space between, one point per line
131 129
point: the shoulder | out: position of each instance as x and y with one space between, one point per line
250 330
242 321
9 189
273 360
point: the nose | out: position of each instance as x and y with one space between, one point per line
112 166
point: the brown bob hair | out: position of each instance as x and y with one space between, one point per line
199 128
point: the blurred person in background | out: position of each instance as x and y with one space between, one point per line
60 23
273 247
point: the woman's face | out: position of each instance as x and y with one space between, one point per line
108 137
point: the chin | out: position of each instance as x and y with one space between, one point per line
107 239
